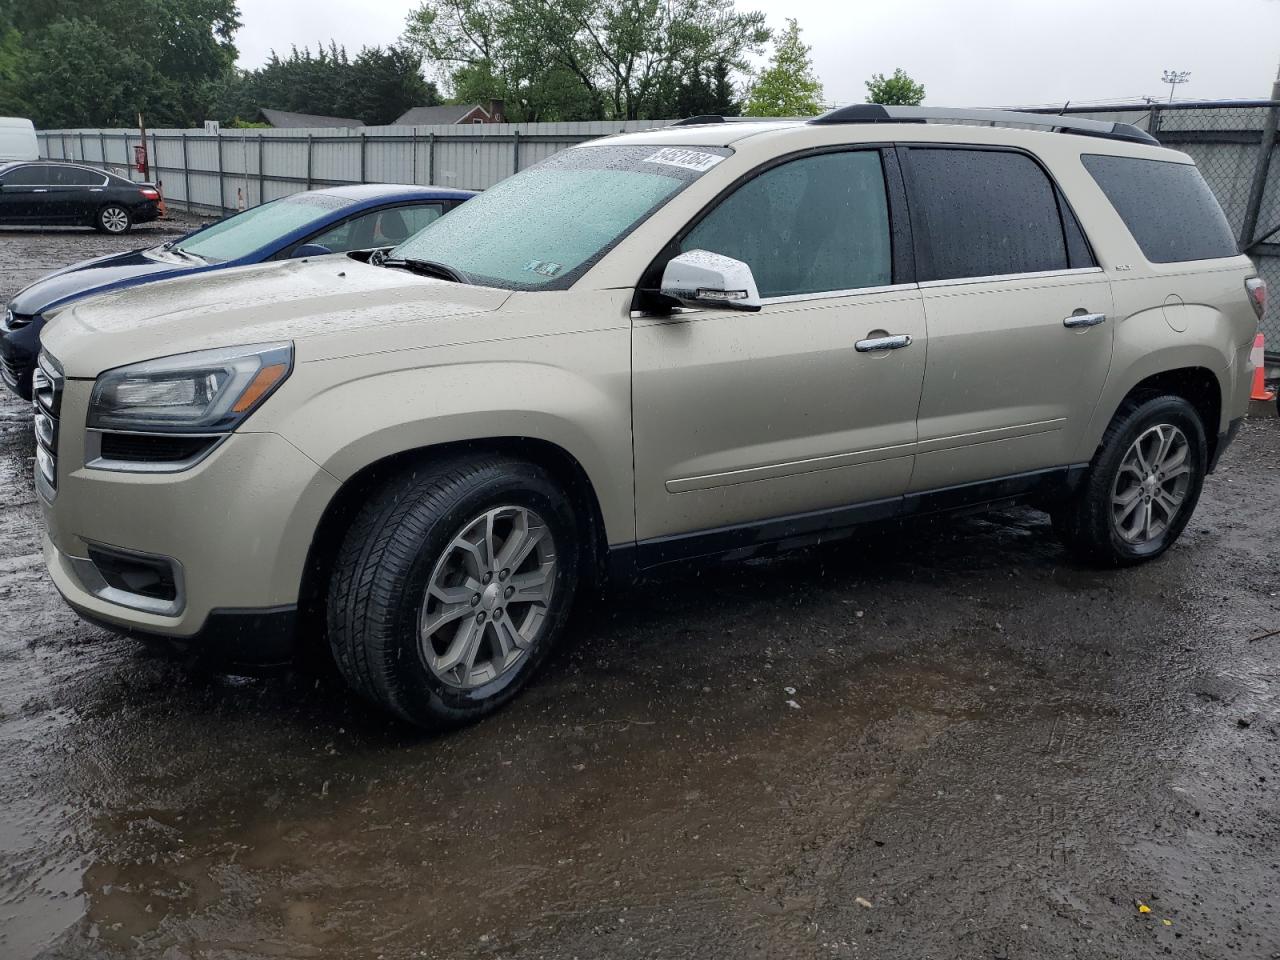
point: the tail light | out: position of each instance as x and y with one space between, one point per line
1257 290
151 193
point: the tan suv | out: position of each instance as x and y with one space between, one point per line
697 341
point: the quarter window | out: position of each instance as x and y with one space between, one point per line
1167 207
813 225
984 213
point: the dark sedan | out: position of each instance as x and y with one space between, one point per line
49 194
336 220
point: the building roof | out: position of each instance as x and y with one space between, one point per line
448 113
285 119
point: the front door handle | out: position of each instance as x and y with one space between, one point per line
883 343
1084 320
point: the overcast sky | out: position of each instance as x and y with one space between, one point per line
966 52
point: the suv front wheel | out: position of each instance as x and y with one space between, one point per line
1142 486
451 586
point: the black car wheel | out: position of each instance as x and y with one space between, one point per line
114 218
451 586
1142 487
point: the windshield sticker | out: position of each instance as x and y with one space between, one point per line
544 268
688 159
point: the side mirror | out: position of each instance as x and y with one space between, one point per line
705 279
310 250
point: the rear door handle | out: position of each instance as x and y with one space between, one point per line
883 343
1084 320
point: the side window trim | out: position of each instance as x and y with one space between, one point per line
923 259
901 250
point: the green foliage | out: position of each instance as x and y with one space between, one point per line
70 63
787 87
589 59
375 88
898 90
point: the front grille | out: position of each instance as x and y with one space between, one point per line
46 396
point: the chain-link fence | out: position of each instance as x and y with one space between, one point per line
1234 145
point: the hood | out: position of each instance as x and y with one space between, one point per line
327 306
88 277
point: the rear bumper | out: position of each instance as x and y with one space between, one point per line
145 212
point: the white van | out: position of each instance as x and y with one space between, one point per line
17 140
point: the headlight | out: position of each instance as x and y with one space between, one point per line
211 391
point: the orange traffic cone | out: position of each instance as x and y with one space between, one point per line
1259 359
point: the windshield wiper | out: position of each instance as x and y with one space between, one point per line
188 254
429 268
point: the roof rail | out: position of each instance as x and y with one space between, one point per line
875 113
716 118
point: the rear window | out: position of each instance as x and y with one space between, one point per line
1167 207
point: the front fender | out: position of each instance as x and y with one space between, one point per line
372 414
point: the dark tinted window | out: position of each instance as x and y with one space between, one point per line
77 177
813 225
37 175
1078 252
1166 206
983 213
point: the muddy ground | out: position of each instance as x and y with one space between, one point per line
941 741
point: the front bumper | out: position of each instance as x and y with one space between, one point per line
237 527
19 349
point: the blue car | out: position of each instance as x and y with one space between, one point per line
335 220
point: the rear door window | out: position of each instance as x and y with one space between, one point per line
1167 207
813 225
986 213
78 177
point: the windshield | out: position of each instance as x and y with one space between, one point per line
543 228
246 232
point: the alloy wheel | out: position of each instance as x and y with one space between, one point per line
115 220
1150 488
488 596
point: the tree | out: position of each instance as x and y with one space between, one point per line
101 62
898 90
585 59
787 87
375 88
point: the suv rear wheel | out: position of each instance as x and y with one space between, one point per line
451 586
1142 486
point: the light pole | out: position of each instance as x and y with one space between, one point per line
1173 78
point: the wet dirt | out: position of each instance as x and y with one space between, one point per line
938 740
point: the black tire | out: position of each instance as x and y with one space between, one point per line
379 582
110 217
1085 524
